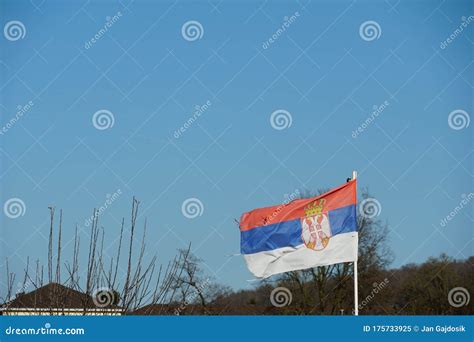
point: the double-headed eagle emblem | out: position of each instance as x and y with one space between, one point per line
316 231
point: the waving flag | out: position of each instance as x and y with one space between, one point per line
301 234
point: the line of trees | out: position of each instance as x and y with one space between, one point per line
423 289
136 286
329 290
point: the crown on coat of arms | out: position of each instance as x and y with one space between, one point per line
315 208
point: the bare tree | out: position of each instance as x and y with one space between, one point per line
196 289
140 283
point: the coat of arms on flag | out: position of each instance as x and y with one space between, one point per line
315 226
301 234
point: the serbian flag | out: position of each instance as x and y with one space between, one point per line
301 234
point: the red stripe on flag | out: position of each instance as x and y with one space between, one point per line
339 197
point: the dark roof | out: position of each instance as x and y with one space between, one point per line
54 295
213 310
155 309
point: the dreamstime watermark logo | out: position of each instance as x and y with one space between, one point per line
103 119
109 199
287 199
377 287
291 197
458 119
452 37
199 110
377 110
109 22
280 297
21 110
287 21
14 30
464 202
192 208
22 287
281 119
46 330
192 30
370 208
458 296
370 30
104 297
14 208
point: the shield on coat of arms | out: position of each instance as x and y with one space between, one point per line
316 231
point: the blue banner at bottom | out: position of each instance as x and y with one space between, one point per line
238 328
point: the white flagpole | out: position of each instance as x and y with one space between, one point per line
356 289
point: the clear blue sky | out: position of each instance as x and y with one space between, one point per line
319 69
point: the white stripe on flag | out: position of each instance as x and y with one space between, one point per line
341 248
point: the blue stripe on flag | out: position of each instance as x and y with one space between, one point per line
267 238
343 220
288 234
